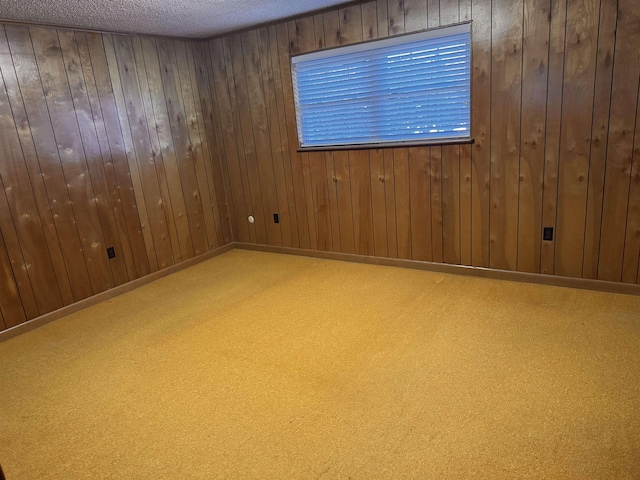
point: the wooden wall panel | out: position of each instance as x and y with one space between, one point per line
481 130
535 71
506 85
554 98
437 235
46 147
620 144
162 148
420 202
89 162
581 38
148 71
599 131
118 140
95 170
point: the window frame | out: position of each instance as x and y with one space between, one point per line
424 34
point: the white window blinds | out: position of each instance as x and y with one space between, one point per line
413 88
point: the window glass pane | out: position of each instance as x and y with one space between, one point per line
403 89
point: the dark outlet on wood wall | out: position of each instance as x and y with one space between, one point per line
547 234
111 252
276 219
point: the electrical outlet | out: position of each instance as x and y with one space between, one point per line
547 234
276 218
111 252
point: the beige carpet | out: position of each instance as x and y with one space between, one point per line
256 365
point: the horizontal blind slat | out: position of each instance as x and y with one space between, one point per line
413 91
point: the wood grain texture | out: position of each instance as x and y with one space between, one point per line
420 201
89 161
599 137
161 148
552 146
437 235
118 138
555 89
624 106
46 147
506 85
575 136
481 132
535 72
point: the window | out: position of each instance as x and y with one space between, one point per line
410 89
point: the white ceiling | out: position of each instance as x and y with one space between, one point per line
177 18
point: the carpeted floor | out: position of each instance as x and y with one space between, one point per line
256 365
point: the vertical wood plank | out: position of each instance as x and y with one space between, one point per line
383 20
11 310
331 28
120 146
535 57
449 12
147 215
284 135
107 162
318 32
369 21
197 145
631 254
191 75
45 144
577 109
390 202
305 42
552 132
433 8
599 131
415 15
361 199
275 136
88 134
451 204
318 178
345 203
624 104
287 46
437 248
395 16
506 80
72 156
15 107
465 205
402 201
464 8
259 120
145 158
378 199
332 190
331 31
420 202
233 158
16 263
211 128
195 232
350 25
481 132
244 138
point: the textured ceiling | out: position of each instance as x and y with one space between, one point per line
177 18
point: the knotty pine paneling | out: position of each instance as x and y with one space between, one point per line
105 141
554 108
161 148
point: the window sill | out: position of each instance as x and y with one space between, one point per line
376 146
